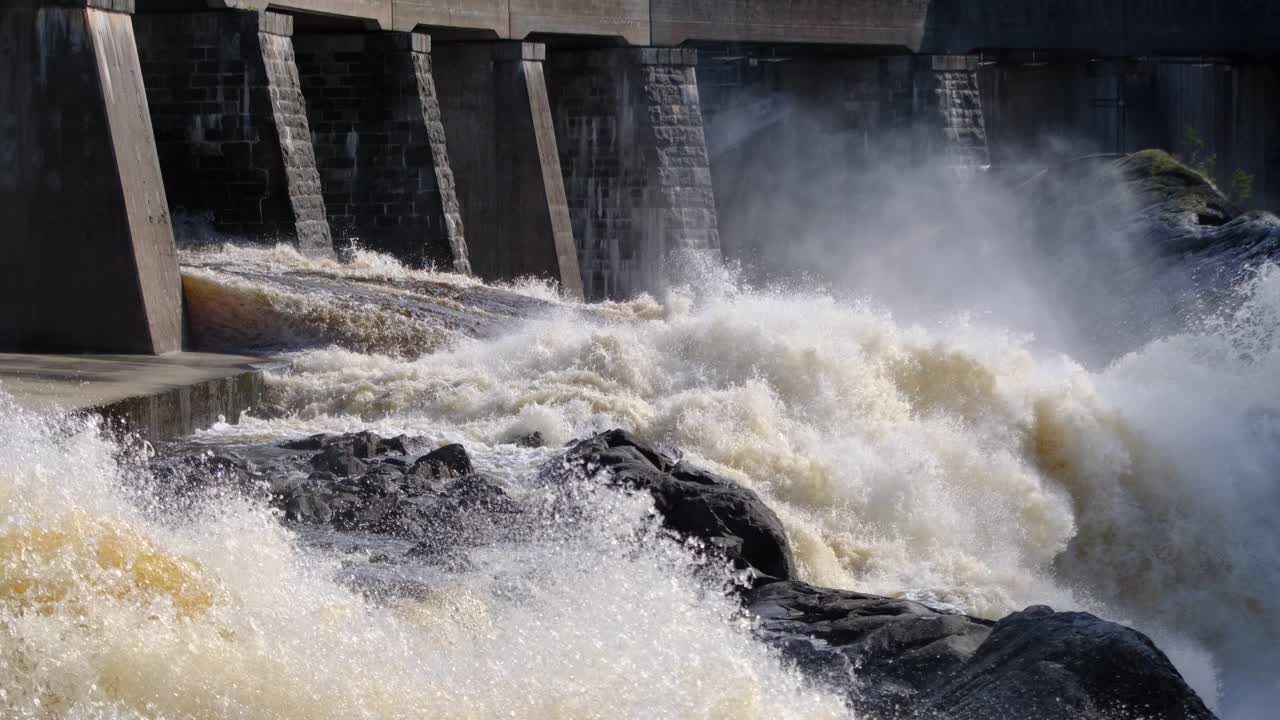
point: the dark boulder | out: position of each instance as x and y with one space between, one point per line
1064 666
531 440
437 501
882 651
694 503
450 461
363 445
339 460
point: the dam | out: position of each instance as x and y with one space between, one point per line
813 359
584 142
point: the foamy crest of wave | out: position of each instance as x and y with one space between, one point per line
948 463
232 312
105 613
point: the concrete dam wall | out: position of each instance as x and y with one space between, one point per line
591 143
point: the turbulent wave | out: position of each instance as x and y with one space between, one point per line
952 463
107 612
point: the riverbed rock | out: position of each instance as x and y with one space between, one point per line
896 658
358 484
1064 666
450 461
883 652
694 503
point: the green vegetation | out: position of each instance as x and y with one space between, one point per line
1199 159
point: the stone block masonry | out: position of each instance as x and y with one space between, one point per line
503 149
231 124
87 249
948 116
380 145
635 161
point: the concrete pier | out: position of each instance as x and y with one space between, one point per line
380 145
231 124
87 247
503 147
947 119
629 123
155 397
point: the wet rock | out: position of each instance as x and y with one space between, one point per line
1064 666
901 659
339 460
449 461
882 651
363 445
223 470
315 442
306 507
692 501
532 440
438 501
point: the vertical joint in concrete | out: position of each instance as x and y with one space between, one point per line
88 245
505 154
380 145
231 124
948 121
636 166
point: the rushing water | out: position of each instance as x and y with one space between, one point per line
951 463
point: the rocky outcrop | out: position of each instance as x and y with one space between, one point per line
884 652
895 658
366 483
892 658
730 519
901 659
1064 666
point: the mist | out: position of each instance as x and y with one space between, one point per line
1172 315
1056 253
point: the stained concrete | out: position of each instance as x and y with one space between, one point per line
231 125
503 149
156 397
380 145
1109 27
87 251
629 125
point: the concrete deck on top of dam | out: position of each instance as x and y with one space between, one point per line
1106 27
158 397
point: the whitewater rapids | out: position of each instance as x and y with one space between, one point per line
949 463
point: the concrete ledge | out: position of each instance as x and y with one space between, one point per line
515 51
158 398
121 6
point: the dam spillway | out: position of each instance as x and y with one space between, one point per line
513 139
638 359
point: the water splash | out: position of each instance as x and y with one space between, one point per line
107 613
951 463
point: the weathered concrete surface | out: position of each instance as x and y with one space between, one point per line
637 175
947 119
1107 27
1060 108
87 249
625 19
380 145
503 148
857 22
490 18
1115 28
231 124
156 397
